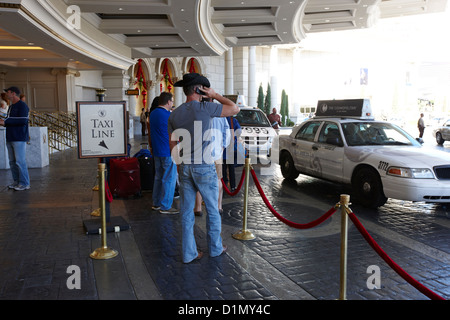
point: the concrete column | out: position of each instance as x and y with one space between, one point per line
116 82
274 78
229 74
179 96
65 86
252 90
240 58
296 93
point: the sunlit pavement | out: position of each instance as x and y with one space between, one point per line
42 234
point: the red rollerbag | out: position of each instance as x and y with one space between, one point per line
124 177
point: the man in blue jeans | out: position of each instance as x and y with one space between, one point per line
165 168
17 136
190 124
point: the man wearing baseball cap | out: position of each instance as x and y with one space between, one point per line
191 123
17 136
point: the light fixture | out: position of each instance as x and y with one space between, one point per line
20 48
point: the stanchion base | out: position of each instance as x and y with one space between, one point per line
93 226
244 235
96 213
103 253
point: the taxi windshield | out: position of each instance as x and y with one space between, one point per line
376 133
255 118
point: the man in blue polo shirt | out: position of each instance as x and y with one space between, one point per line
165 168
17 136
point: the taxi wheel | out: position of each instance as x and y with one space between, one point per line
367 185
439 139
287 167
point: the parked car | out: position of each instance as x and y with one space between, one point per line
344 144
442 133
256 131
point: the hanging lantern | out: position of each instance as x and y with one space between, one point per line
144 98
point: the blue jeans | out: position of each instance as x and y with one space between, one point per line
18 162
202 178
164 184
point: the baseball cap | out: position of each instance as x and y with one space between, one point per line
13 89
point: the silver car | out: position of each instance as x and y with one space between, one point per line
442 133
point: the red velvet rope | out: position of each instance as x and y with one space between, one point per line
430 294
284 220
235 192
108 195
427 292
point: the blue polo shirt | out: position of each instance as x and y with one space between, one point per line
159 133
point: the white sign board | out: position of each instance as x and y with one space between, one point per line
102 129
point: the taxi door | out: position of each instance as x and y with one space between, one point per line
329 152
302 146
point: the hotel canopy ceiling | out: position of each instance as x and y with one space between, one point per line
110 34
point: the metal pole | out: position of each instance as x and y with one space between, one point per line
103 252
345 200
245 234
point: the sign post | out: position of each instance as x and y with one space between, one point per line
102 133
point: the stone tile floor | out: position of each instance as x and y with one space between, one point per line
42 234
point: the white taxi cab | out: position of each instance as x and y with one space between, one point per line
343 143
256 133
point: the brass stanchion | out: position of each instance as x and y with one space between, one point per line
104 252
245 234
345 201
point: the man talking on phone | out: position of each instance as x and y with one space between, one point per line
191 123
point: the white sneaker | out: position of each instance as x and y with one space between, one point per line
21 187
169 211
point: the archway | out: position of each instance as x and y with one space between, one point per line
192 65
141 83
167 80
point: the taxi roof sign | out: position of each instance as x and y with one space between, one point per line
352 108
239 99
240 102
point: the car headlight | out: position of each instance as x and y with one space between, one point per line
414 173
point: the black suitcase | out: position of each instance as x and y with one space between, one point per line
147 165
